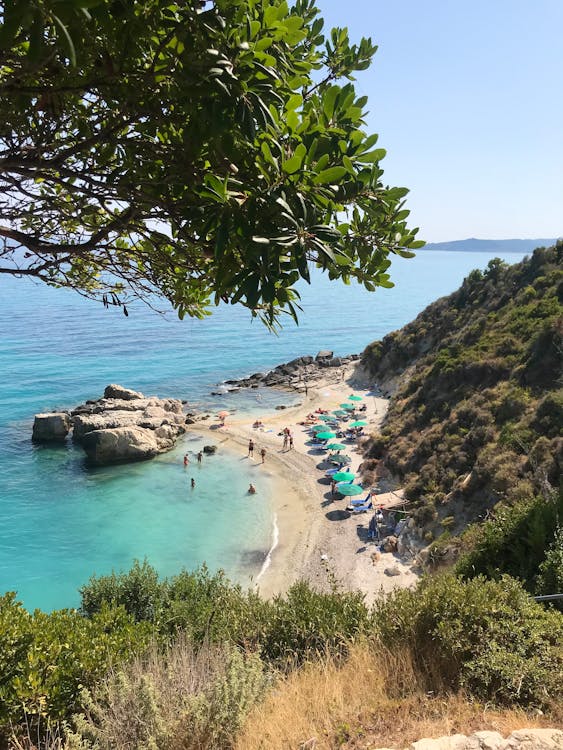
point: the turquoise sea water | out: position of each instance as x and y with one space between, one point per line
61 521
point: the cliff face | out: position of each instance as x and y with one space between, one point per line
477 414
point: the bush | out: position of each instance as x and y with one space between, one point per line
514 542
487 636
305 623
46 659
550 576
182 698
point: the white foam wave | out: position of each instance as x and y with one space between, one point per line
275 541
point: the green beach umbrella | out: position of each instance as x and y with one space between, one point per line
340 412
343 476
318 427
348 407
336 447
350 489
326 417
355 398
339 459
358 423
326 435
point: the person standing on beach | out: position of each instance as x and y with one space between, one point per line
290 441
251 448
263 454
186 460
199 457
285 438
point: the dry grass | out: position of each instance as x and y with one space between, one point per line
374 699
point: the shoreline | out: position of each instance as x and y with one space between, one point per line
317 540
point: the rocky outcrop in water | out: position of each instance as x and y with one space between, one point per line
297 373
51 428
122 426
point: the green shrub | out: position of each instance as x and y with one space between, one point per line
46 659
183 697
550 576
305 623
489 637
514 542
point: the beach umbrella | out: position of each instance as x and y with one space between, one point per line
326 417
357 423
340 412
343 476
326 435
350 489
318 427
339 458
355 398
348 407
336 447
223 414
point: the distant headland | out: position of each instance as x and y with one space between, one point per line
490 246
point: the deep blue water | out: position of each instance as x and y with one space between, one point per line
61 521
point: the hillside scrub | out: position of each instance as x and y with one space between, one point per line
47 659
208 607
487 637
476 421
178 697
375 698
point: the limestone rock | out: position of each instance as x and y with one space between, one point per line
210 449
118 391
51 428
121 444
324 354
534 739
394 571
522 739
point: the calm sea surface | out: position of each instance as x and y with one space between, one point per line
61 521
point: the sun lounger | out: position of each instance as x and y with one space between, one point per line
361 508
360 500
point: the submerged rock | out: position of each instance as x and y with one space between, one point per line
51 428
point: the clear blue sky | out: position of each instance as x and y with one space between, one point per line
467 97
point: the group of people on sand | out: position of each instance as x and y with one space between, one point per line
287 439
251 447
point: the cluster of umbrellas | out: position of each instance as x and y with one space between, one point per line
343 477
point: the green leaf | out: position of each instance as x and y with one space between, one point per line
293 164
70 44
371 156
333 174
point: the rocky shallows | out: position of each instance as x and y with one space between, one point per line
122 426
296 374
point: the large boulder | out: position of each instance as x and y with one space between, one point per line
324 354
51 428
118 391
120 444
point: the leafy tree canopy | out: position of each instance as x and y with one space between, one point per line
199 150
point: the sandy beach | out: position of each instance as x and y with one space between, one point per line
317 539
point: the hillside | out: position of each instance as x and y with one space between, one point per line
474 427
490 246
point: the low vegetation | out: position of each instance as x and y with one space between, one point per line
126 676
